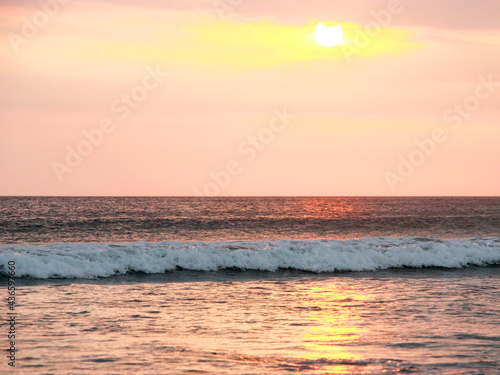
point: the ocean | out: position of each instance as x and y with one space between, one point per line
250 285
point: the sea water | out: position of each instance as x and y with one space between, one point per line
252 285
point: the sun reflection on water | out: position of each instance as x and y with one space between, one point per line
335 323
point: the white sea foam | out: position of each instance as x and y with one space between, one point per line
91 260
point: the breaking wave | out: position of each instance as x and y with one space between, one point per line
93 260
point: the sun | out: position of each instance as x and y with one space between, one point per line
328 36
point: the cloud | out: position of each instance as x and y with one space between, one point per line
446 14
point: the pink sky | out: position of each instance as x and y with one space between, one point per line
191 97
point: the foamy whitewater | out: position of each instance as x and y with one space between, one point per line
89 260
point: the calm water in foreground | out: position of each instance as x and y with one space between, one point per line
253 285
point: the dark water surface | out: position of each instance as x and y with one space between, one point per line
35 220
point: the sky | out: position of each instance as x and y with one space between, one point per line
237 98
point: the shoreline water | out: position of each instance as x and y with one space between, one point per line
422 321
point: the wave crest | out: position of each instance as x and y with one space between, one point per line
92 260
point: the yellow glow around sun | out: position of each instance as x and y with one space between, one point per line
328 36
223 45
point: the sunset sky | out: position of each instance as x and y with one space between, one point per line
226 97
